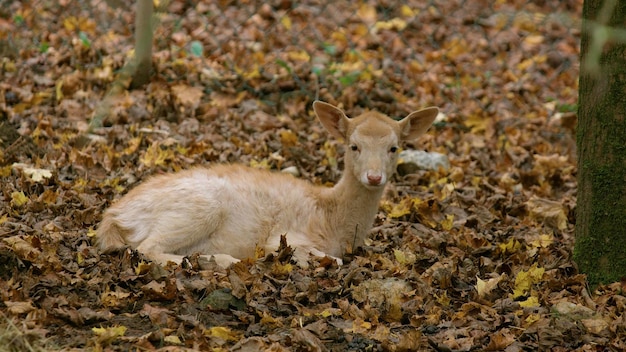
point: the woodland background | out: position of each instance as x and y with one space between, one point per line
476 257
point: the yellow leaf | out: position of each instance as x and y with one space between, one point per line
267 319
59 90
114 298
37 175
40 97
476 123
252 73
281 269
263 164
524 65
288 138
133 144
544 241
531 301
533 39
401 209
259 252
142 268
331 153
326 313
222 332
393 24
173 339
510 247
3 219
406 11
286 22
155 155
455 47
485 287
70 23
18 199
300 55
404 258
109 333
444 300
447 223
525 279
91 232
531 318
367 13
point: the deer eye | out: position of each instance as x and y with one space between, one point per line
393 149
354 147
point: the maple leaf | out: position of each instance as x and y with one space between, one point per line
485 287
16 308
544 241
404 257
531 301
108 335
367 13
187 97
511 246
18 199
596 325
500 340
549 212
525 279
35 174
173 340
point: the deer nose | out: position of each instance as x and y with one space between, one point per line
374 180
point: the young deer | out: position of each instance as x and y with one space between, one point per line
227 210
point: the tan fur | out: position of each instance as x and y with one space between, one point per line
227 210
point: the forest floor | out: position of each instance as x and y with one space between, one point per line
477 257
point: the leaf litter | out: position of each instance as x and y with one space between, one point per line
476 257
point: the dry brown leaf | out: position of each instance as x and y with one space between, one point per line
548 212
19 307
500 340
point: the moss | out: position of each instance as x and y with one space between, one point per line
601 212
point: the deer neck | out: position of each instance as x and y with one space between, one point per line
355 208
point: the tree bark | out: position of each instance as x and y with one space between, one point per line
143 43
600 249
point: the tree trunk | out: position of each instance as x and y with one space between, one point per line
600 249
143 43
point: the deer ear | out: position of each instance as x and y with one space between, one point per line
333 119
418 122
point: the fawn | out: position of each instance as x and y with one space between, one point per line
225 211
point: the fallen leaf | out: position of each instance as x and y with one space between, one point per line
525 279
549 212
387 295
16 308
173 340
35 174
500 340
18 199
485 287
597 325
108 335
223 333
